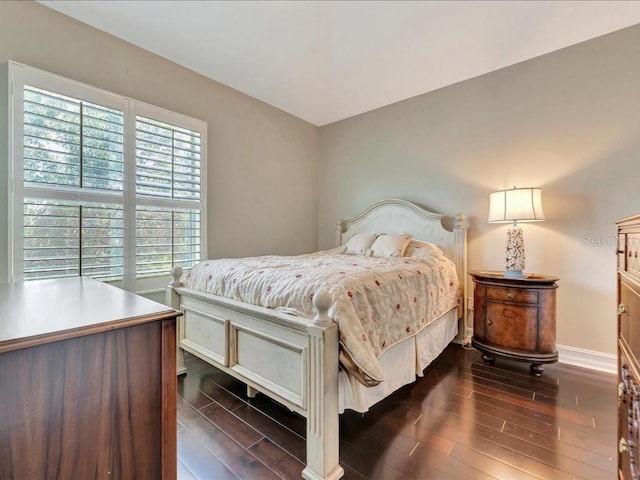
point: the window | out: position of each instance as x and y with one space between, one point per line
102 185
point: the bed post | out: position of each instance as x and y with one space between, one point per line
322 395
172 299
460 259
340 228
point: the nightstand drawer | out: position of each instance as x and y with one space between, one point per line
515 295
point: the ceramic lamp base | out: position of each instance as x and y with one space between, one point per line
514 253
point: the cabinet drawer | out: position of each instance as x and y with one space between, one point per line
632 247
515 295
512 326
630 318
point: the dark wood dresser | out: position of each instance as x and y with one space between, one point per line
628 347
515 318
87 382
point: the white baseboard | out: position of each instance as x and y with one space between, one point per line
603 362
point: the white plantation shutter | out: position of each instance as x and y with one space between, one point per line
71 142
63 239
72 150
51 241
167 160
166 238
103 186
168 182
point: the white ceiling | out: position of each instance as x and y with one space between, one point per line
323 61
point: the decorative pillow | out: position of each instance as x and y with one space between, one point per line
359 244
418 248
390 245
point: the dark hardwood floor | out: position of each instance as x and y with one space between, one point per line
462 420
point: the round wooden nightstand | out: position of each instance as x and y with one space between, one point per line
515 317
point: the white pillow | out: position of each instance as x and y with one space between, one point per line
359 244
390 245
418 248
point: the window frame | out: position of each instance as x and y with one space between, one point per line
21 75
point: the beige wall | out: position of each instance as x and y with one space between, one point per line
568 122
262 178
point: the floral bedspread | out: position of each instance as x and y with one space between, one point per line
377 302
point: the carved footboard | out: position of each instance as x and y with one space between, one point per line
286 358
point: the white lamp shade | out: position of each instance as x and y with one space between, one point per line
516 205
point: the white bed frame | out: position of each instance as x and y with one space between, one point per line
288 358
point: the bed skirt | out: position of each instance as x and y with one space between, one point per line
400 364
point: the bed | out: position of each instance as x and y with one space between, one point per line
295 354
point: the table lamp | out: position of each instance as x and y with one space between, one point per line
515 205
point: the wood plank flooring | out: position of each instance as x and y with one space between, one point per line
462 420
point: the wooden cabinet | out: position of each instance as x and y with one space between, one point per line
515 318
87 382
628 347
